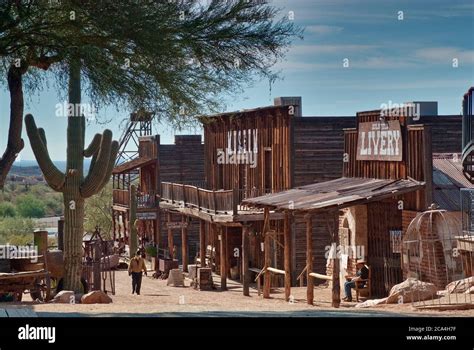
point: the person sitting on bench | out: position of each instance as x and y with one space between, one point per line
361 274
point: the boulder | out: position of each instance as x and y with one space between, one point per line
64 297
470 290
371 302
460 286
411 290
112 260
96 297
175 278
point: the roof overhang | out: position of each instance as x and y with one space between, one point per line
335 194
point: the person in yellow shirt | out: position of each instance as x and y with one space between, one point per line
137 265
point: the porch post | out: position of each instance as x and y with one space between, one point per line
287 257
202 242
170 237
336 287
245 259
267 277
184 243
223 249
309 259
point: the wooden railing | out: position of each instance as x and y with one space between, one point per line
217 201
121 197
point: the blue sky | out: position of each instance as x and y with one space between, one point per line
389 60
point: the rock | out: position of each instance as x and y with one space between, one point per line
371 302
113 260
411 290
64 297
96 297
470 290
460 286
175 278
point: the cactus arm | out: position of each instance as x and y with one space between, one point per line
97 170
52 175
93 147
42 136
110 167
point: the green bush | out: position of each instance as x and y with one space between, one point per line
151 251
7 210
16 231
30 207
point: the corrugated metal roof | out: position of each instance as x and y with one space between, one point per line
339 193
448 179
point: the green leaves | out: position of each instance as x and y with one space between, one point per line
176 59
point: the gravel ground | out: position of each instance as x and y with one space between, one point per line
157 299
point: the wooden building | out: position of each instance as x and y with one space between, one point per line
181 162
387 171
272 149
468 134
247 154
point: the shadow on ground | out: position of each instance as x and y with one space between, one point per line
299 313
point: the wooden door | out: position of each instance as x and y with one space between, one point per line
382 257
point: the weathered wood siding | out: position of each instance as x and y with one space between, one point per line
182 162
318 146
272 169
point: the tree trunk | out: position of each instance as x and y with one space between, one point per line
15 143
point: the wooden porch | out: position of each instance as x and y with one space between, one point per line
221 206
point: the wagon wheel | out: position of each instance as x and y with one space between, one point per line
42 289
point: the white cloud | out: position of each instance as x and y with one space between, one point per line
445 55
323 29
328 49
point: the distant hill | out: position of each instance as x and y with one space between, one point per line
31 168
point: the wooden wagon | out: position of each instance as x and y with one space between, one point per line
27 275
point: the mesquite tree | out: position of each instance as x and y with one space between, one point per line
74 186
173 58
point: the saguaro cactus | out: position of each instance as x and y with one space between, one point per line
74 186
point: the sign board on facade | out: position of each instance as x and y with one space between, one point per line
380 141
178 224
146 216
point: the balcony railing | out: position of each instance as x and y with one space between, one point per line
211 201
121 197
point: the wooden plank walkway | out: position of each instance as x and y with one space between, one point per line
17 312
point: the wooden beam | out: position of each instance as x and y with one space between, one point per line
170 238
245 259
334 233
320 276
309 260
184 245
275 271
267 277
223 249
202 242
287 255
